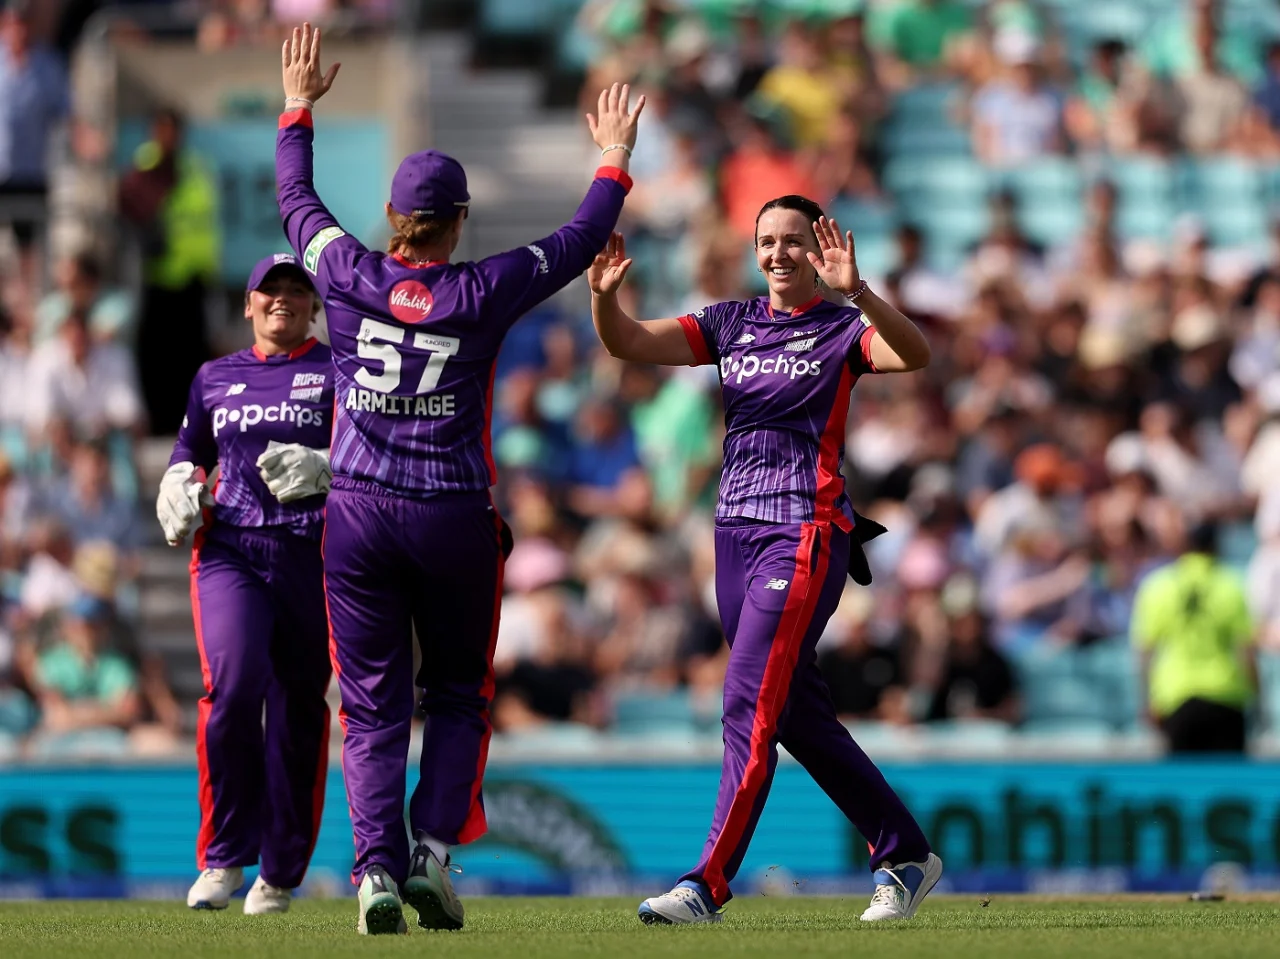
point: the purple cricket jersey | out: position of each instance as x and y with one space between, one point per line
786 381
240 403
414 345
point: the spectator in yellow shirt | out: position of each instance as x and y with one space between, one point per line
1192 627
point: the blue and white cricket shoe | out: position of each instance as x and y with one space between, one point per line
214 888
900 889
689 901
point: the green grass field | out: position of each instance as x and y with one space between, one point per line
957 927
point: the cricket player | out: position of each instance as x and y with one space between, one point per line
784 534
263 417
412 539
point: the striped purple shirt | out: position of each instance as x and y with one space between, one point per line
414 345
786 380
240 403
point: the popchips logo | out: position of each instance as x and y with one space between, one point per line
253 414
410 302
786 364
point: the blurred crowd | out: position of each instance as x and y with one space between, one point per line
1095 406
1093 403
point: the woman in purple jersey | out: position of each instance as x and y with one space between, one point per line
262 416
413 547
785 534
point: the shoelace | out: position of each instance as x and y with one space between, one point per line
887 895
215 875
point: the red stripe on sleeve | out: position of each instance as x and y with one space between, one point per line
697 343
294 118
615 173
866 350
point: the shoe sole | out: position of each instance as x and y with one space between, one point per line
383 918
432 913
652 918
205 905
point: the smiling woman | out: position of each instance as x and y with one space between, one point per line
281 306
785 534
263 417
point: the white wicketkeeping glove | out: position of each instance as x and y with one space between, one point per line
182 497
293 471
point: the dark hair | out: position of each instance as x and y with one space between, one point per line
792 201
1203 538
87 265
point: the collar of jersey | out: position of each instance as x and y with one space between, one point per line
803 307
291 355
414 265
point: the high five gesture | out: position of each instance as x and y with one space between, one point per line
300 59
836 265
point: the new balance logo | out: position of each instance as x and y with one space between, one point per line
235 389
745 338
776 584
800 346
695 907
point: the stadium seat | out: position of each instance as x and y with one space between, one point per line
902 139
655 713
1143 179
1236 543
1057 686
1144 219
1111 669
955 228
969 735
516 18
927 104
1269 681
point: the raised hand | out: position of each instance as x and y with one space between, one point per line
300 59
836 266
609 268
613 124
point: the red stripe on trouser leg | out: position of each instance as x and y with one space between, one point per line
797 614
205 836
476 825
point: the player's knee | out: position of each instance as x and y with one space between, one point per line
739 707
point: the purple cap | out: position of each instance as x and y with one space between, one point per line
429 184
264 266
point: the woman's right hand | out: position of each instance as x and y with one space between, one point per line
609 268
613 125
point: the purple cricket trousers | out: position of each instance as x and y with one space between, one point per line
394 566
776 587
258 599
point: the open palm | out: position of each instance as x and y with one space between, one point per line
837 266
609 268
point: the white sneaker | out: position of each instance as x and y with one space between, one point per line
214 888
687 902
264 898
900 889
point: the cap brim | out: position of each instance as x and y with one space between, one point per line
294 268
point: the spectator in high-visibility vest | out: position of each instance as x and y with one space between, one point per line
1191 625
171 199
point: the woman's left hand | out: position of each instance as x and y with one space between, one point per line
300 58
836 266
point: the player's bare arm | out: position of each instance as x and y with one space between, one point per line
899 346
652 341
